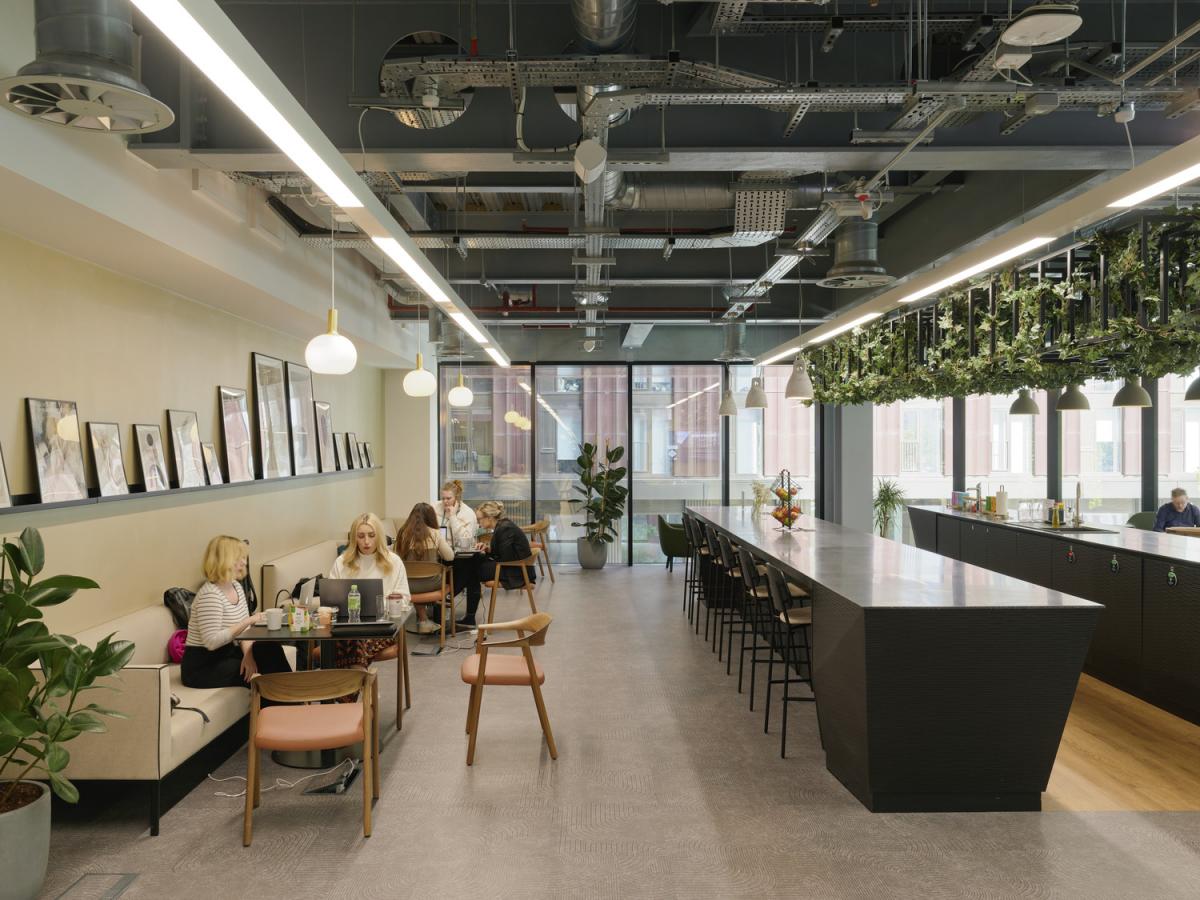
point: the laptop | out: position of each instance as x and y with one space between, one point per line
334 592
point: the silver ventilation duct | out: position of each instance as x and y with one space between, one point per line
430 105
85 75
856 257
735 336
604 26
699 193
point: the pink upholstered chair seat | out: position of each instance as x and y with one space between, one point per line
311 727
501 669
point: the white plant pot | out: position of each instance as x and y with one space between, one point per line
592 555
25 848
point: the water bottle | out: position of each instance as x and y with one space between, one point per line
354 604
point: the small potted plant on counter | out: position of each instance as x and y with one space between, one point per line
889 498
603 501
41 677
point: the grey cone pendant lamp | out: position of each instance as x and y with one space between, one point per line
1132 395
1073 399
728 406
1024 405
1193 392
756 397
799 385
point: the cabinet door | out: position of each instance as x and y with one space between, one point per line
924 528
1034 559
1115 581
948 537
973 543
1002 551
1171 636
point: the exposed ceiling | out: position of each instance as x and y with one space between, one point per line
740 137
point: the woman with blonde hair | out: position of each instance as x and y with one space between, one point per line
509 543
458 518
367 556
213 657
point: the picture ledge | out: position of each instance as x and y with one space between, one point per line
25 503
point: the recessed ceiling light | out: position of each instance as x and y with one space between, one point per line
989 263
1042 24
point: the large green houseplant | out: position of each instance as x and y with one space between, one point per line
40 710
604 495
889 499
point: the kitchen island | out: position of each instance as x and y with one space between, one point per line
1147 640
940 685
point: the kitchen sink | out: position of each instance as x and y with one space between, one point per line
1068 529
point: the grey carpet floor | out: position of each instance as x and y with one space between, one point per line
665 786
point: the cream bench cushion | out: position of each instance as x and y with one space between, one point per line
282 574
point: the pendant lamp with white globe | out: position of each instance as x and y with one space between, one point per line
331 353
460 395
419 382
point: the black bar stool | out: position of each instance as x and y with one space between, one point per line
794 640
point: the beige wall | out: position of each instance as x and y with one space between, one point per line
126 351
411 429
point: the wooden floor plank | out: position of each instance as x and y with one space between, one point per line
1120 753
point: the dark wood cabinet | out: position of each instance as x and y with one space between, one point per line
1002 553
1171 636
1115 581
973 543
948 540
924 528
1034 562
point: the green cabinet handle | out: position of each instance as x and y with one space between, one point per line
1172 578
1115 565
1070 554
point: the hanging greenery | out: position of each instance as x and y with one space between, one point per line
966 342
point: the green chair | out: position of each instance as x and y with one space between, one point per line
1142 520
672 540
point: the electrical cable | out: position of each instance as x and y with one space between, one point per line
279 782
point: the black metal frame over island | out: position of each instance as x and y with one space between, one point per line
940 686
1147 641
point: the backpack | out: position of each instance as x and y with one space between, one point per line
179 601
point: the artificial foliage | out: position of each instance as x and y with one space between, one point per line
1059 339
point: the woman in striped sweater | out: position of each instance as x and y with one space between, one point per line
213 657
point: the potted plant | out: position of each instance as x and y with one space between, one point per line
39 710
889 497
603 501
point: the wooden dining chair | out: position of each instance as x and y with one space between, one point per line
483 668
522 565
537 538
308 724
399 652
443 596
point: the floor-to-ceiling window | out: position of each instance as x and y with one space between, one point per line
1006 451
574 404
912 447
486 445
763 442
676 447
1102 454
1178 438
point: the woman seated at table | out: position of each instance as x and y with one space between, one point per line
457 516
366 557
508 544
421 540
213 657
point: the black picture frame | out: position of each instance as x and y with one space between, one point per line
323 415
152 458
57 457
271 416
237 438
108 459
355 457
368 456
184 430
5 490
302 420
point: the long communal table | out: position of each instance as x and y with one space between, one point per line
940 686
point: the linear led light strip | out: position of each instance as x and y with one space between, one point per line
1191 173
990 263
195 43
821 338
693 396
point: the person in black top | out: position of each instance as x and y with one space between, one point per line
1178 513
508 543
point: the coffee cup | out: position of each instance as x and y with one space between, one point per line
325 616
274 619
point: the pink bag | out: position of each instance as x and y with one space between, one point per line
175 645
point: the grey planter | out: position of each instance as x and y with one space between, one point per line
25 848
592 555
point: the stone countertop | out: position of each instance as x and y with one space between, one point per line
877 573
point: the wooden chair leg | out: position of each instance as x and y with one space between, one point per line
474 723
401 647
367 773
375 755
544 719
492 605
529 593
407 677
546 553
471 706
251 774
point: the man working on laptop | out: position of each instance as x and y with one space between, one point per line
1178 513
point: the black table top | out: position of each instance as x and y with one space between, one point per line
384 628
877 573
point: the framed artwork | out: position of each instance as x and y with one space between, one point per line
323 413
57 450
303 419
151 457
368 457
347 456
211 465
362 455
5 493
270 404
235 433
185 446
105 438
355 457
339 451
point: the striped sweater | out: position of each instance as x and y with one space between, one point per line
213 617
